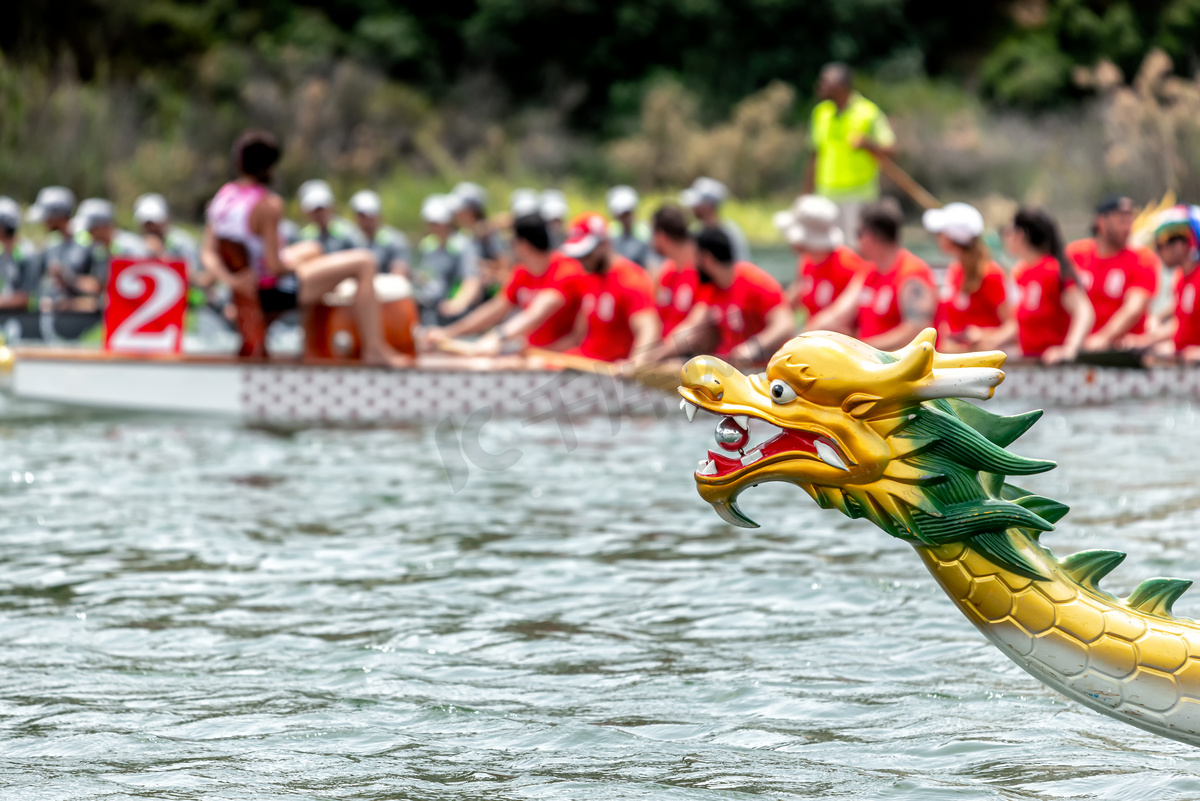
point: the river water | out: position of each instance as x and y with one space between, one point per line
197 610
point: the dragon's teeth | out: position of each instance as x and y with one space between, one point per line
743 420
690 411
682 403
707 468
829 456
752 457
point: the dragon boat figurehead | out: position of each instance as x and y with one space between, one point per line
888 437
834 405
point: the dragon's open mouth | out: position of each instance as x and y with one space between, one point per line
740 453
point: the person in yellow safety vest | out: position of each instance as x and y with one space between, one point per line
848 134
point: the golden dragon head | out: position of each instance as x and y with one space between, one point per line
873 434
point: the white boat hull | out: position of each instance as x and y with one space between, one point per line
304 393
296 393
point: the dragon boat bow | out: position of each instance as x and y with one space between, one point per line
887 437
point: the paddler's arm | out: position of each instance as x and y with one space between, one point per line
487 316
779 328
1083 316
840 315
1137 300
918 302
810 174
544 304
681 339
1001 335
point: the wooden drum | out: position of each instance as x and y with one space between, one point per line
332 333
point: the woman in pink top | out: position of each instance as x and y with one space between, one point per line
242 248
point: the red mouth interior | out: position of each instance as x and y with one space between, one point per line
787 442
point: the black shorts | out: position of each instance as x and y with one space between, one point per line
276 301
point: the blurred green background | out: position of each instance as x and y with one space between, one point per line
1044 101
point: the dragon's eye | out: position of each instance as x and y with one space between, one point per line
781 392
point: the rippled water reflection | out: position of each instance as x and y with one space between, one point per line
198 611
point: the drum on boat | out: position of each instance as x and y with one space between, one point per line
332 333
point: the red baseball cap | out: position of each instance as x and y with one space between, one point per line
587 231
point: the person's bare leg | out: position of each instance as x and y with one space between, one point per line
321 274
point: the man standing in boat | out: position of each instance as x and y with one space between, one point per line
893 298
1120 280
242 248
849 136
617 319
539 291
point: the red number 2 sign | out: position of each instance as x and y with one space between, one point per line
147 299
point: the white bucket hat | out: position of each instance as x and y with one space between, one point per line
811 223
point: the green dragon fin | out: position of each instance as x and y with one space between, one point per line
1044 508
963 521
1087 568
1156 596
1000 430
998 547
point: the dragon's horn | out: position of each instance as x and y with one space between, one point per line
935 375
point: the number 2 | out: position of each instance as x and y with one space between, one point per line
167 289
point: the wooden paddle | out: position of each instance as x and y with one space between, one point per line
656 376
906 182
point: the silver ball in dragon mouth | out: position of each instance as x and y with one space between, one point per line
730 435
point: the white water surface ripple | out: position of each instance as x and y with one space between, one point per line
194 610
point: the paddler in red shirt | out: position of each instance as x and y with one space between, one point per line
677 281
825 265
538 289
617 319
739 302
1053 313
1178 245
894 297
1120 280
974 303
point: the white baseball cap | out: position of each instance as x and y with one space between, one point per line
622 199
51 200
315 194
366 202
151 208
960 222
554 205
438 209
